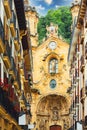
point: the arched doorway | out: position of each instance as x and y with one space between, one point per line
52 112
55 127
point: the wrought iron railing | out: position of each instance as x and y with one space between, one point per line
82 62
8 49
81 94
13 19
17 35
7 104
86 51
13 66
18 79
76 99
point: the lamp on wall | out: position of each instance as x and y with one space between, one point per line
28 106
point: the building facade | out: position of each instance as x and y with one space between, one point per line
50 78
15 65
77 58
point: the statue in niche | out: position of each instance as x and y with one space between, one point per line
53 65
55 114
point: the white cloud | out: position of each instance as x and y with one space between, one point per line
40 7
57 6
39 0
48 1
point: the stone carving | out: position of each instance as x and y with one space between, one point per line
55 114
42 124
52 30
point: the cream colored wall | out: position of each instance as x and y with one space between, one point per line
74 11
33 21
41 77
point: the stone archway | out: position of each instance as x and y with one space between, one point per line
51 111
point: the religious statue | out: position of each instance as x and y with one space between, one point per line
53 66
55 114
52 30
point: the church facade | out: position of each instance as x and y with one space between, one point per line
50 101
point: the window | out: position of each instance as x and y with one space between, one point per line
53 83
53 66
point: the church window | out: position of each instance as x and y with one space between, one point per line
53 83
53 66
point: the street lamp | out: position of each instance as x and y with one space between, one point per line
28 106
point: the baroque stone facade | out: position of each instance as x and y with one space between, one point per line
50 79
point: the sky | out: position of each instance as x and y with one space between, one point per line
42 6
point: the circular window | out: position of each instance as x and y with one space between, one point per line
53 83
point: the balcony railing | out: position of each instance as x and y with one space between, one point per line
13 19
86 87
77 51
13 24
72 110
2 31
77 74
82 63
77 100
86 51
17 35
82 95
8 49
13 66
18 79
7 104
86 19
82 35
10 3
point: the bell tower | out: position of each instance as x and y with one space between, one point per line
74 10
32 18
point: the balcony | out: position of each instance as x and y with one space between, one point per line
13 70
82 36
13 24
77 51
74 83
7 5
82 63
77 101
82 95
71 110
22 68
16 40
86 51
2 42
77 75
86 20
7 104
86 87
7 55
17 82
19 57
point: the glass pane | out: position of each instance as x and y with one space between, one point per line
53 83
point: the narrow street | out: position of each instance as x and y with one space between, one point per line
43 65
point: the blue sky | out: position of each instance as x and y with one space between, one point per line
42 6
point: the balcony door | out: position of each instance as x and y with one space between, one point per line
55 127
